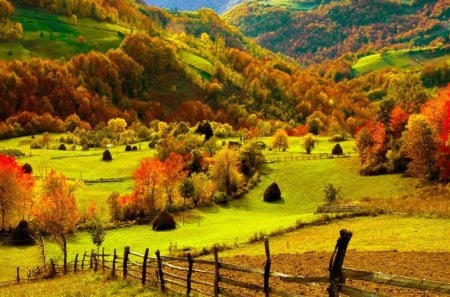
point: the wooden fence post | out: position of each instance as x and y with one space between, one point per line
337 261
144 266
75 263
82 262
189 274
18 274
216 273
91 260
267 268
103 260
160 272
126 252
52 268
113 272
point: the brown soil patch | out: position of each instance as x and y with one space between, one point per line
429 266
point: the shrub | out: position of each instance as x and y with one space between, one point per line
272 193
23 235
164 221
220 198
62 147
134 148
331 193
27 168
128 148
337 150
107 156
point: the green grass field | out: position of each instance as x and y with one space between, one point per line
292 4
51 36
199 64
301 182
398 59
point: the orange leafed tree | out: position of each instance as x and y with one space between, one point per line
148 178
15 189
56 211
173 173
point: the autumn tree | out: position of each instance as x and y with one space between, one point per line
56 210
420 145
15 189
148 179
224 171
280 140
371 143
407 92
172 174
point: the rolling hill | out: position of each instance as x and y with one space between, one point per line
313 31
182 5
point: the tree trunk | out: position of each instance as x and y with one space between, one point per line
64 252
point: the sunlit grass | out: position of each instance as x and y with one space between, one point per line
80 285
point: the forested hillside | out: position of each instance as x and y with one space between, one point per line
329 30
181 5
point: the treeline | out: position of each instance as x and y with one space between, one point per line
411 134
9 30
332 29
113 11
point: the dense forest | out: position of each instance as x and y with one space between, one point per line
181 5
337 27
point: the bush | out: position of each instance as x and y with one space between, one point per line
331 193
272 193
220 198
337 150
23 235
128 148
107 156
164 221
62 147
134 148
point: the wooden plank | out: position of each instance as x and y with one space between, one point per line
397 281
355 292
174 276
202 283
283 294
299 279
241 268
202 271
174 282
136 254
242 284
174 267
202 261
203 293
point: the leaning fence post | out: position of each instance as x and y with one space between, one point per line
216 273
267 268
189 274
82 262
337 261
75 263
18 274
126 252
144 266
91 260
113 272
160 272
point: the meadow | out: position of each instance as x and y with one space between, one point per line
51 36
302 184
401 59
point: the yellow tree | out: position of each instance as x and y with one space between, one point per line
56 210
224 171
280 140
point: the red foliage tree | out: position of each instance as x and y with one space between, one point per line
15 188
398 121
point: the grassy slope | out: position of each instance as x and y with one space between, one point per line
301 183
291 4
397 59
80 285
51 36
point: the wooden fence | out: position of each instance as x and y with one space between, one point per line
305 157
186 275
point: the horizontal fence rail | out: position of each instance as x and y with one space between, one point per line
186 275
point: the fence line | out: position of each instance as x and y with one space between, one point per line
305 157
212 278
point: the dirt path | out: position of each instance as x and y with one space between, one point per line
430 266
